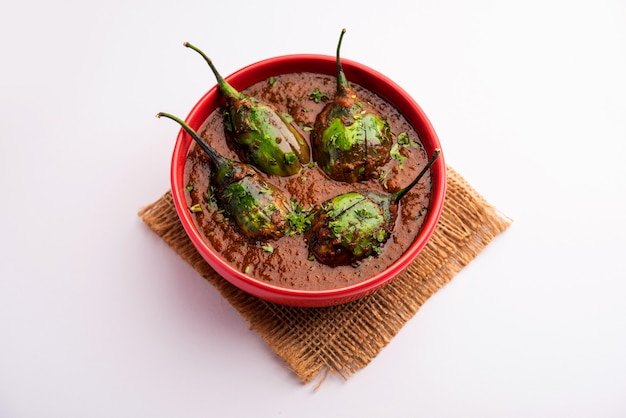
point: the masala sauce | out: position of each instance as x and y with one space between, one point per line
288 264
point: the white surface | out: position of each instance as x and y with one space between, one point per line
98 318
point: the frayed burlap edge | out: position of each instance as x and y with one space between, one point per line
343 339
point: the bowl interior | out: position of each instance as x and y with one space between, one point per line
356 73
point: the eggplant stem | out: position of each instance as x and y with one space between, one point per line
215 157
400 193
228 90
342 82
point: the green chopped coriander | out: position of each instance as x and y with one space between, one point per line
288 117
396 155
403 138
299 220
384 177
291 157
318 96
196 208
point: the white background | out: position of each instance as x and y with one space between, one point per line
99 318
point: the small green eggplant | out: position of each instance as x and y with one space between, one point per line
356 225
259 134
350 140
259 209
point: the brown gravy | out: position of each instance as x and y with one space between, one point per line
288 265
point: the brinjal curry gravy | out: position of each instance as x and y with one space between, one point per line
286 262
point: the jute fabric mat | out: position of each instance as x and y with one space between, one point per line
343 339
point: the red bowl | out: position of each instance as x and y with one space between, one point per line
356 73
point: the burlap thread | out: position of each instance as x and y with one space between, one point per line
343 339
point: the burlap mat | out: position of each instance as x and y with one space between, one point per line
343 339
